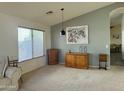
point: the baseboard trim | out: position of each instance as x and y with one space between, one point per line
91 66
94 66
98 67
62 63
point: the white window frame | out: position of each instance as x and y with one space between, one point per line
32 42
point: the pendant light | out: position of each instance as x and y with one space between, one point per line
62 31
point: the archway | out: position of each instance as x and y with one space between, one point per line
117 36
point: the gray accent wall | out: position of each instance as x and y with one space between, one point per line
99 34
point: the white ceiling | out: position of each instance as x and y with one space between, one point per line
36 11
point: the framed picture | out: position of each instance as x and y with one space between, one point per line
77 35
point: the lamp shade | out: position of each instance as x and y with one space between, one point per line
63 32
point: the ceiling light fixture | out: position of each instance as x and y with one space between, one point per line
62 31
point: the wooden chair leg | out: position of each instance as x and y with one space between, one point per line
99 64
105 65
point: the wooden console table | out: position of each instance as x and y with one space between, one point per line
77 60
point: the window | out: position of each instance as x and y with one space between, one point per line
37 43
30 43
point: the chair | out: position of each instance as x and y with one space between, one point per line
13 62
103 58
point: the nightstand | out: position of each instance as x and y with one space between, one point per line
103 58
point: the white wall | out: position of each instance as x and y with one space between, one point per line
9 43
116 30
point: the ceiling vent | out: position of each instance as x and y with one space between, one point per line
49 12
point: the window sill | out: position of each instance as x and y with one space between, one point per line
31 59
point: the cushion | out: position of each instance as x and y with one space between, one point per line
3 66
10 71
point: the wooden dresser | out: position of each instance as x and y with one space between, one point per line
52 56
77 60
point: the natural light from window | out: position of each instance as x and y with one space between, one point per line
30 43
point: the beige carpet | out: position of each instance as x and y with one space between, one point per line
58 77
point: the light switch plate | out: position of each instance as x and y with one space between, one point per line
106 46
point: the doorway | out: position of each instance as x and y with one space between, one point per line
116 37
